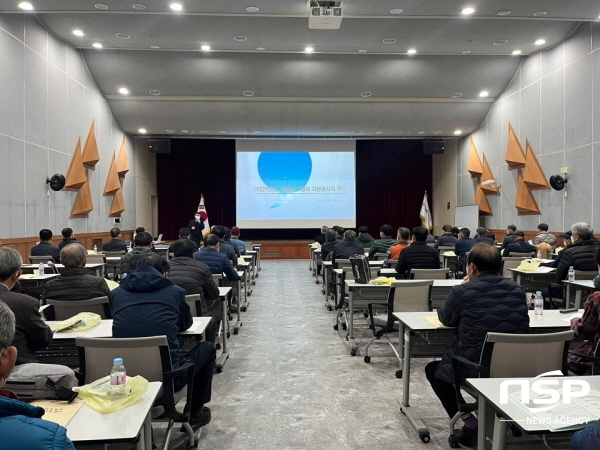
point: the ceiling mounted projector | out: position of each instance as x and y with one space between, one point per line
325 15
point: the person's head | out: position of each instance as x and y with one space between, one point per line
403 234
45 235
8 353
185 233
212 240
581 232
73 255
143 239
339 232
140 230
464 233
330 235
197 217
184 247
363 229
447 229
518 235
349 235
115 233
543 227
219 230
227 233
386 230
324 229
155 260
455 230
235 232
482 259
420 234
10 266
566 236
67 232
481 231
511 229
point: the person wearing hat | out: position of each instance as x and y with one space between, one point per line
519 245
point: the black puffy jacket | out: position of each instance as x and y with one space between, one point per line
75 283
418 255
195 277
580 255
488 303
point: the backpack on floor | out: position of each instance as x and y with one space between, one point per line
30 381
360 268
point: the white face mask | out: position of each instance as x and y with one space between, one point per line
197 217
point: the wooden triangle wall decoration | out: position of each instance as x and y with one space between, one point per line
118 204
525 202
484 206
83 202
533 175
474 168
488 175
76 176
113 183
90 149
515 157
122 161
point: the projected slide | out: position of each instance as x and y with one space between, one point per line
295 189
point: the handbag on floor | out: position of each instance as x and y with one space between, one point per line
360 268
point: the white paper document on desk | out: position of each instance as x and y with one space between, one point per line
544 269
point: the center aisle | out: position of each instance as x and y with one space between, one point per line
291 383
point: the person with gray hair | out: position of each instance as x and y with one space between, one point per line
31 331
580 255
321 237
347 247
20 423
74 282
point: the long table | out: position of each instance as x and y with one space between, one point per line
413 324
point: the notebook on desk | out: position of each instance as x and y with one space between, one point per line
433 320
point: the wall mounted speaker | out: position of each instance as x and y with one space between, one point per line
57 182
558 182
159 145
433 147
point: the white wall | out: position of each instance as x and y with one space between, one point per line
444 187
145 186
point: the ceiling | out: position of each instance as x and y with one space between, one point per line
257 80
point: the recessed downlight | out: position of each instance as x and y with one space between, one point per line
252 9
397 11
467 11
258 132
365 94
100 6
170 130
466 52
540 13
362 50
122 35
484 93
500 42
205 47
356 132
437 132
249 131
154 47
184 131
540 42
378 132
504 12
123 91
260 48
240 38
516 52
421 132
142 131
78 32
97 45
457 132
389 41
248 94
308 49
26 6
222 132
411 51
176 6
456 95
154 92
138 6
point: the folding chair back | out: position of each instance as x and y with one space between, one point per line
521 254
193 301
510 263
65 309
39 259
96 258
410 295
429 274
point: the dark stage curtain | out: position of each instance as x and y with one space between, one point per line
391 177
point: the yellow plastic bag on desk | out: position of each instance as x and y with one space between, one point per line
79 322
97 394
529 265
383 280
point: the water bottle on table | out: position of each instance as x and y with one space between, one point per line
41 271
538 303
571 276
118 379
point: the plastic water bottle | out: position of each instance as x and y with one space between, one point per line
41 271
571 276
539 254
538 303
95 248
118 378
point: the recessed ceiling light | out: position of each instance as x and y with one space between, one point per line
202 131
205 47
457 132
252 9
258 132
378 132
438 132
154 46
400 132
78 32
142 130
389 41
411 51
154 92
26 6
484 93
540 42
176 6
467 11
356 132
123 91
540 13
504 12
456 95
222 132
170 130
100 6
122 36
138 6
397 11
466 52
97 45
500 42
362 50
240 38
184 131
516 52
248 94
260 48
308 49
421 132
249 131
365 94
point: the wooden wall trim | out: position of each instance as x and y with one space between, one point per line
284 249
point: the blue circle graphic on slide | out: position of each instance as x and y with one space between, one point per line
286 172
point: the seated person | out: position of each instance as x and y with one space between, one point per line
217 262
184 233
115 244
321 237
581 254
586 439
518 245
327 247
543 236
418 255
235 238
430 238
228 240
403 238
509 238
486 302
364 238
464 243
45 247
75 282
142 246
20 423
447 238
68 238
225 247
31 332
482 236
147 303
347 247
386 241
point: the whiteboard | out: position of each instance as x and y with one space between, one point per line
467 216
